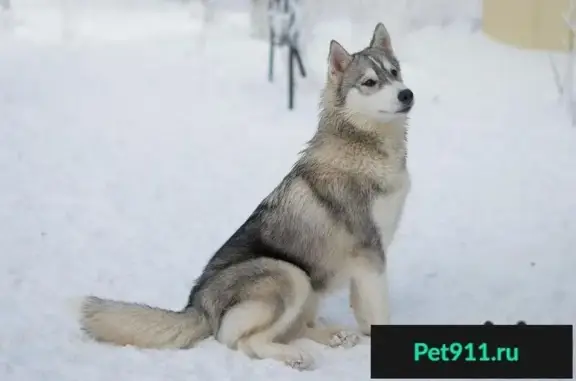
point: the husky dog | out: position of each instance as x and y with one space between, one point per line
328 224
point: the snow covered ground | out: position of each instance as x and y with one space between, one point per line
130 153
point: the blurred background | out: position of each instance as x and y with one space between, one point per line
137 135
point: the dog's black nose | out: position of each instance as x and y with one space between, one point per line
406 96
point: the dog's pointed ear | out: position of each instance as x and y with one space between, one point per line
381 38
338 59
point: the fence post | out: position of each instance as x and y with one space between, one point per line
285 32
568 82
66 20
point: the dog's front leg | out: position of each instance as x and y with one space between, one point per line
369 295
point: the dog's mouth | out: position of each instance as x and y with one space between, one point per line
405 109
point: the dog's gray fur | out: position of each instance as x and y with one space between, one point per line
327 224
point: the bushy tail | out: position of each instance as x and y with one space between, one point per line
140 325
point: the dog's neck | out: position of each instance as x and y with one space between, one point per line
347 145
357 129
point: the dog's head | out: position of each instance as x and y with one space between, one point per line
368 85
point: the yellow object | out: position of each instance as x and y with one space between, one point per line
531 24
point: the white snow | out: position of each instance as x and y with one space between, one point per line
131 152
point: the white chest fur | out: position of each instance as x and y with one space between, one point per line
387 209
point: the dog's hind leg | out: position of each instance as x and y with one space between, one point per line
329 335
265 329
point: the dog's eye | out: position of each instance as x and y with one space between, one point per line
369 83
394 72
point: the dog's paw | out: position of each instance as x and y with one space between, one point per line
301 361
344 339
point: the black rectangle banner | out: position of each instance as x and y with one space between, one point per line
472 351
